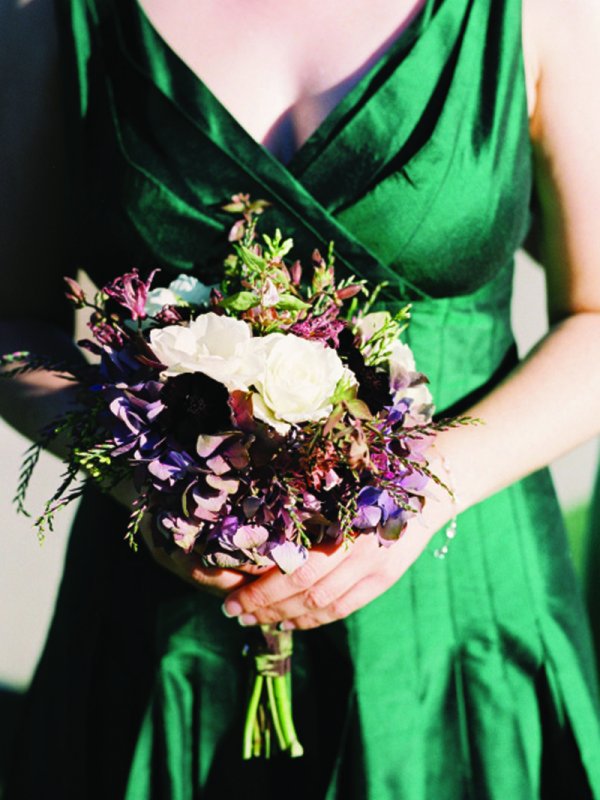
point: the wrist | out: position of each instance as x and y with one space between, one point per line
443 498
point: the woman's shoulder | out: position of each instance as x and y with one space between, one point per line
552 28
560 38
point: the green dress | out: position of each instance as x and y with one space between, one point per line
592 568
472 677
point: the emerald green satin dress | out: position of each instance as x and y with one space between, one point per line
471 677
591 569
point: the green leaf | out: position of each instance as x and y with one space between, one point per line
333 420
241 301
277 247
234 208
258 206
359 409
250 259
289 302
344 391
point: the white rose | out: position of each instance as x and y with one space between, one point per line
214 345
190 290
298 381
184 289
157 299
401 365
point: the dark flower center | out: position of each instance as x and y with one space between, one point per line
195 404
373 384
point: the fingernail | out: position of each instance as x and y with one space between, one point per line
285 625
247 619
231 608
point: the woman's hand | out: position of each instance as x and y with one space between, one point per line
335 580
187 566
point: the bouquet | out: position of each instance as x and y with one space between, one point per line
256 419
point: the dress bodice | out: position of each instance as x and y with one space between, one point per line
420 174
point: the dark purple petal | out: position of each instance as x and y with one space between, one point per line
368 496
171 466
368 517
250 506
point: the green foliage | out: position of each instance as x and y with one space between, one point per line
288 302
277 247
241 301
139 508
97 461
379 347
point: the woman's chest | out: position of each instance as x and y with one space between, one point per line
420 172
280 68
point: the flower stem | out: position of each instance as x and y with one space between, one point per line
269 721
276 712
251 719
284 713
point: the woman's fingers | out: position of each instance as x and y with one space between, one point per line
189 567
336 584
358 596
315 599
276 586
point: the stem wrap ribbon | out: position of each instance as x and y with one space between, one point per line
270 705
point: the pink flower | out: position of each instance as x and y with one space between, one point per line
131 292
75 294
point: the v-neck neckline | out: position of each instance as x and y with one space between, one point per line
332 120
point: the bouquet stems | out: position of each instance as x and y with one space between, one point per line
269 715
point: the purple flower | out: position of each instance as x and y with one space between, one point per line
378 512
133 411
131 292
325 326
182 531
119 365
206 502
250 537
105 333
233 543
224 452
170 467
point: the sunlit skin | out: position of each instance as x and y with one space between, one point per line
311 53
